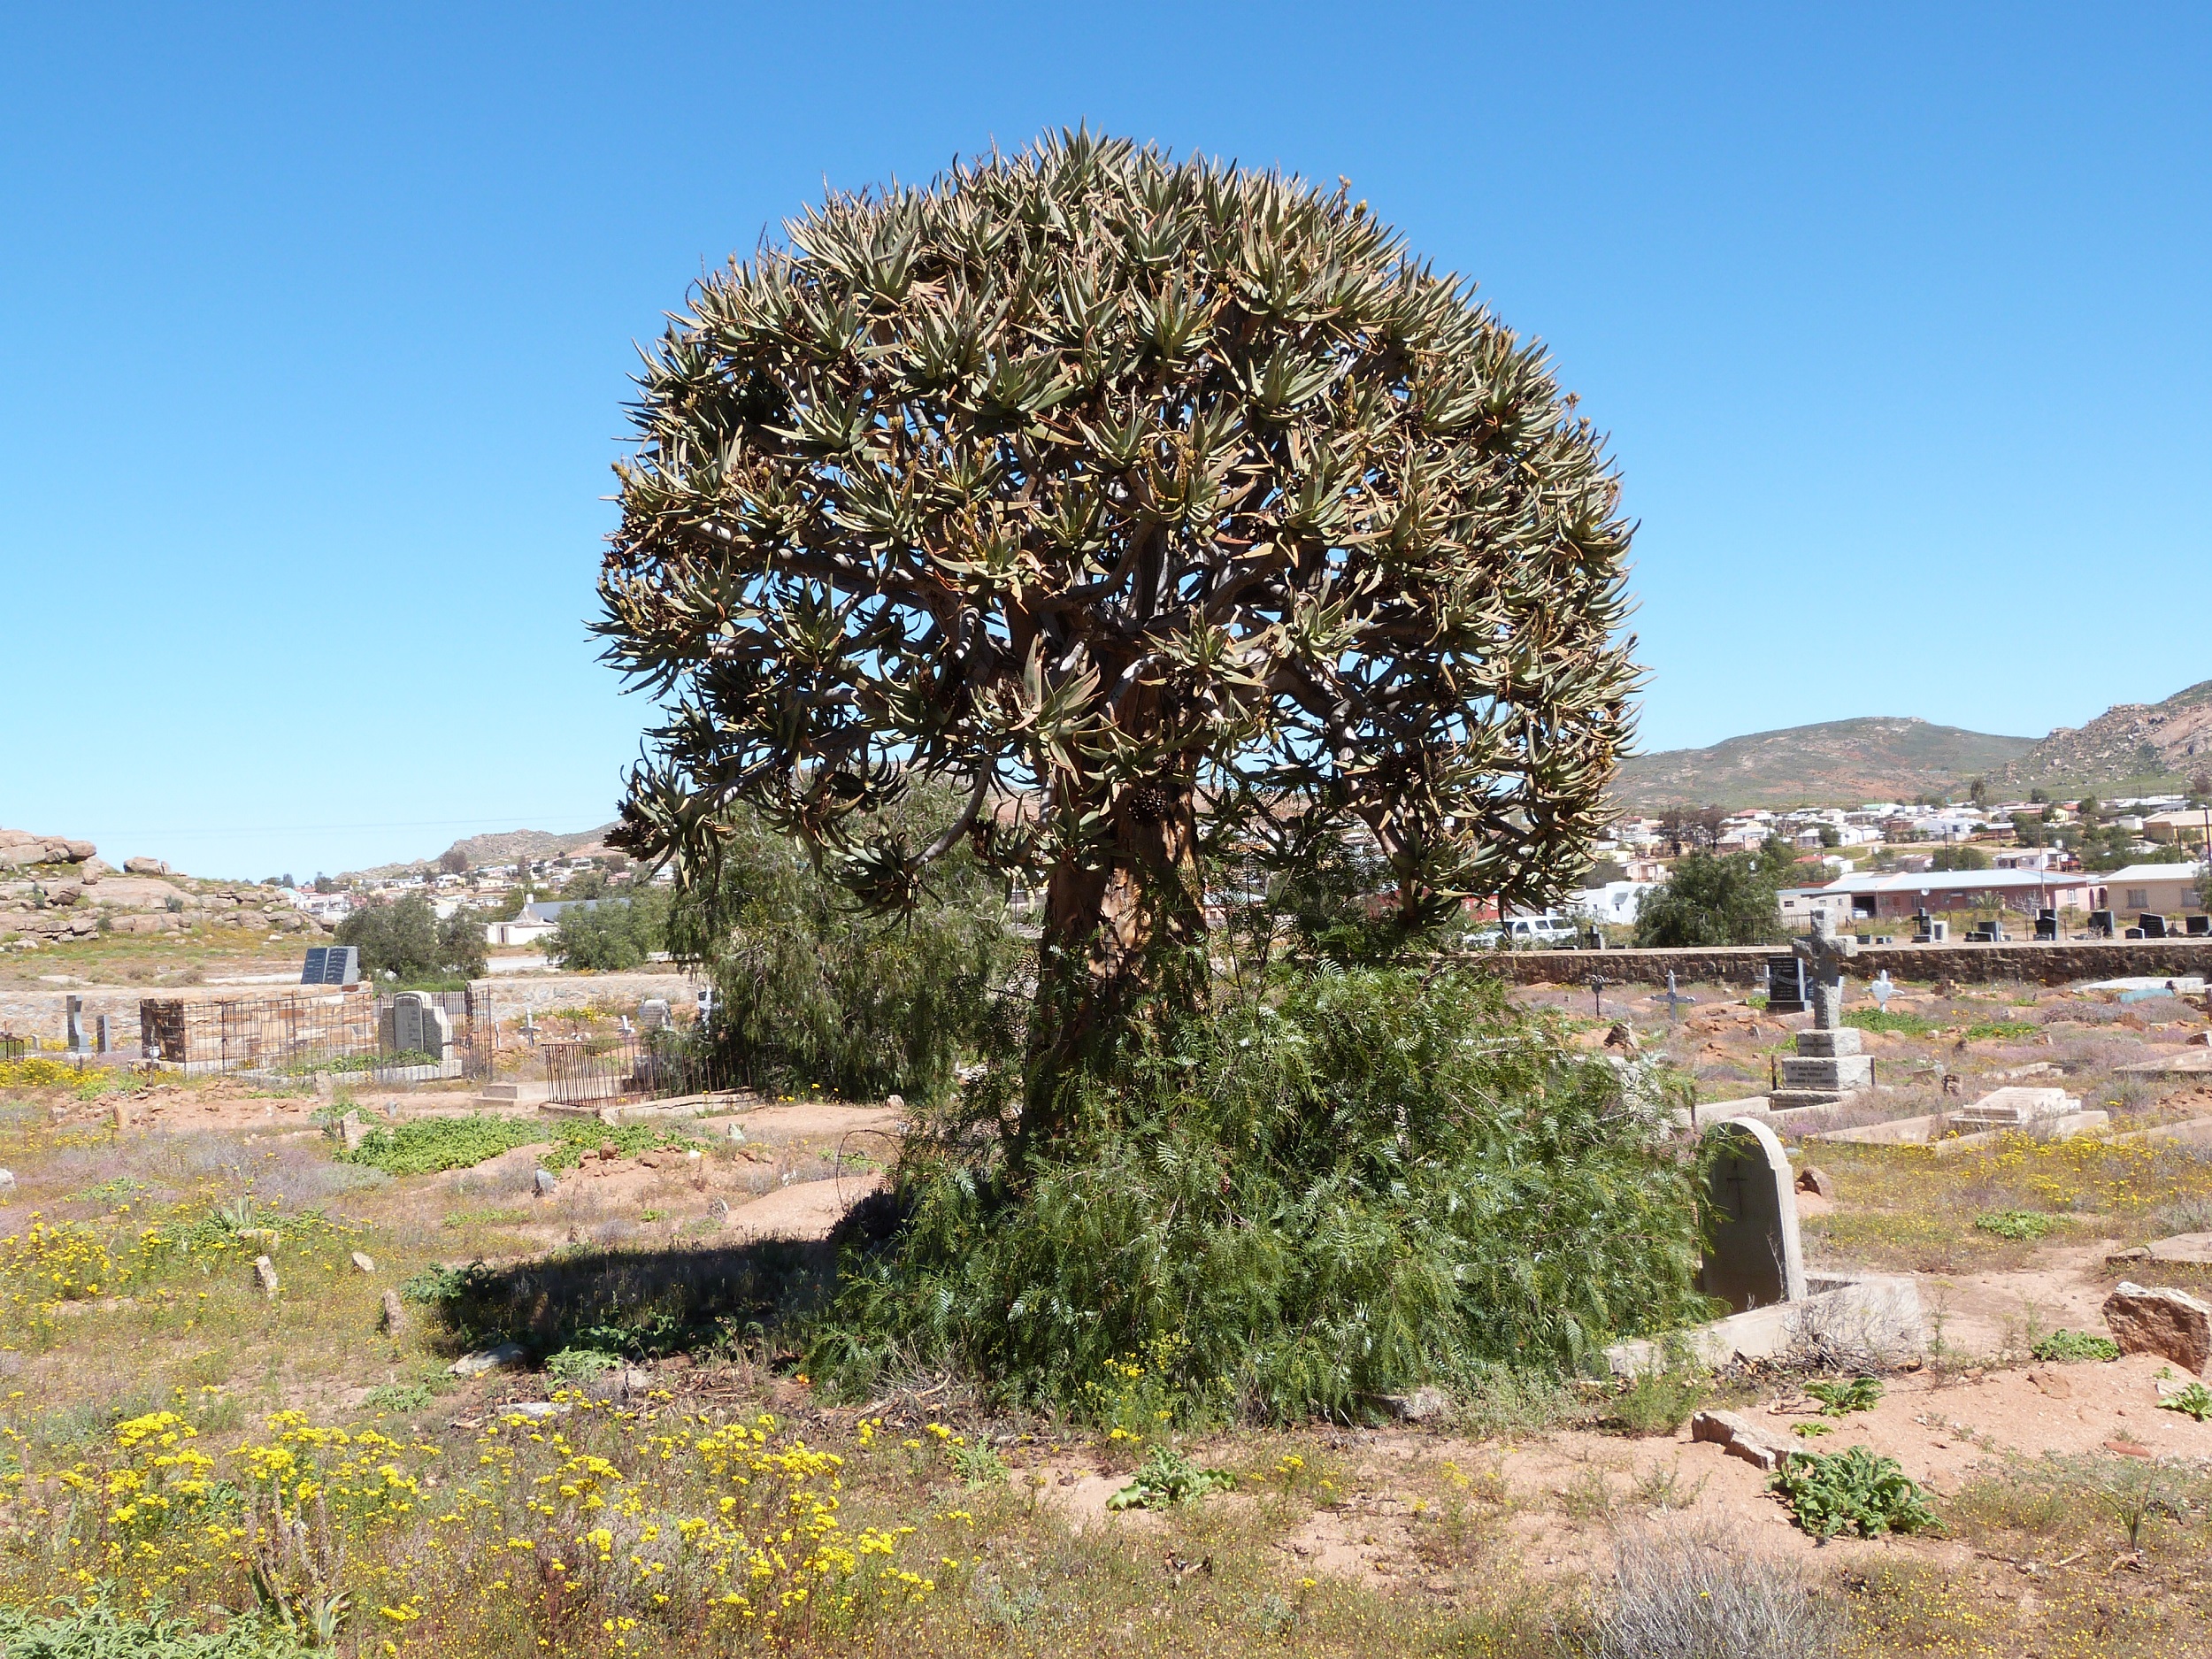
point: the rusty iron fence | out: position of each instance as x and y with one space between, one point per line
650 1065
296 1031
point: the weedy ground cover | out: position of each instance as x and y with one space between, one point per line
1913 1211
422 1145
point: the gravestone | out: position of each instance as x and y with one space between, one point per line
73 1013
652 1014
2199 926
2046 927
102 1036
437 1031
1881 988
1788 992
403 1022
2015 1108
2101 924
2153 926
332 965
1752 1258
1830 1061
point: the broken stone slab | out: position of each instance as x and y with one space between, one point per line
265 1275
542 1182
2194 1063
506 1356
2015 1106
394 1317
1736 1437
1870 1320
362 1263
500 1094
353 1129
2193 1249
2066 1128
2169 1323
7 1181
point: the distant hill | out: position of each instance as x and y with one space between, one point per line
505 848
2130 743
1837 762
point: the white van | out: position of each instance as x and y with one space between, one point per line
1529 932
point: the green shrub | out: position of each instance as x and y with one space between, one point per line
2075 1345
2017 1224
1168 1478
405 937
812 992
1882 1019
423 1145
1377 1180
399 1398
1853 1491
92 1629
1715 900
1841 1399
617 934
1655 1401
2196 1400
581 1364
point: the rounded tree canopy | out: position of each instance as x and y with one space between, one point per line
1120 493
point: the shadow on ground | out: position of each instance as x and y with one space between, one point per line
641 1304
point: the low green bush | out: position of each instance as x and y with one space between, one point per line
423 1145
2075 1345
1167 1478
89 1629
2195 1399
1851 1490
1374 1181
1841 1399
2017 1224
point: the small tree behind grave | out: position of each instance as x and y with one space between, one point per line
1158 507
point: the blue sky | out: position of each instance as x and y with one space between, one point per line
315 330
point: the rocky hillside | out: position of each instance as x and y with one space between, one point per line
2130 740
1837 762
505 848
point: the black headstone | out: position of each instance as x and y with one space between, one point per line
2199 925
1789 987
2153 925
332 965
2101 924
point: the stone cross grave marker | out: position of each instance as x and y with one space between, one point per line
1674 1000
1824 952
1881 990
1597 982
1752 1258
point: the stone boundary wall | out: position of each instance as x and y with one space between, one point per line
38 1010
1967 964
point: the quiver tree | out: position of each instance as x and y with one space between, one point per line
1159 509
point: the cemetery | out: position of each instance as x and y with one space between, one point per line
1210 1252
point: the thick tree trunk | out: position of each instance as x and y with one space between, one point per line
1117 935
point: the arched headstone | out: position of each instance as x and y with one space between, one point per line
1752 1256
